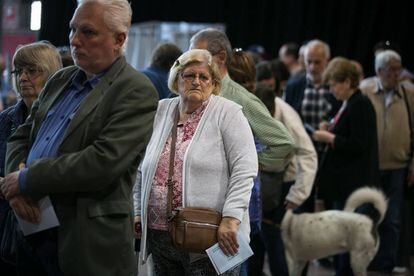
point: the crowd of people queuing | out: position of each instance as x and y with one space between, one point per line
211 126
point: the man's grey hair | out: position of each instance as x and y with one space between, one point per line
318 42
383 58
216 41
117 15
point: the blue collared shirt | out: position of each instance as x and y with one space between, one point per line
56 122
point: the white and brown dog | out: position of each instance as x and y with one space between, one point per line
311 236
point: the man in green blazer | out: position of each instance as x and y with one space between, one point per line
81 146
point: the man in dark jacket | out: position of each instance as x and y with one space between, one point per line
162 59
82 145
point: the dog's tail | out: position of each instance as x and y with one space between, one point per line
368 195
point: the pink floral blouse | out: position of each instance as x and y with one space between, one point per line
157 206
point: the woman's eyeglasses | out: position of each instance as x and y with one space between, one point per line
31 72
190 77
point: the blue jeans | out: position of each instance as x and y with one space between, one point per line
392 183
244 269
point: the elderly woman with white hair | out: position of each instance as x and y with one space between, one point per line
215 163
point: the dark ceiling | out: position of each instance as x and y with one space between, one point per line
351 27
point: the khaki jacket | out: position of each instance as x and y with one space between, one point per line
393 124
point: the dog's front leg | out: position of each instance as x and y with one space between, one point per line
295 267
359 262
298 268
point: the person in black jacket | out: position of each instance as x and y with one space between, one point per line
351 159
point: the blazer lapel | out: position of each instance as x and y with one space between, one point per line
88 105
94 97
61 86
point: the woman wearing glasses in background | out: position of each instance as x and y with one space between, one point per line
215 163
33 65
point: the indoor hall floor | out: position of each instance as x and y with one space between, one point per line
314 270
317 270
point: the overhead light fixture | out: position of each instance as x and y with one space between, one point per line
35 15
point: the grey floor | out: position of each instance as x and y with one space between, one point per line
316 270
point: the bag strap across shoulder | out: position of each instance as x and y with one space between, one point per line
170 181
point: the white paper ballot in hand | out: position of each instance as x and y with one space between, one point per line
48 218
222 262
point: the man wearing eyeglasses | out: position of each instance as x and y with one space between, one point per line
82 145
393 101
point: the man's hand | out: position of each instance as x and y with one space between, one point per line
227 235
10 185
137 227
25 208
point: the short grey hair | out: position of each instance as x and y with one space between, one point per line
117 15
383 58
318 42
216 41
195 56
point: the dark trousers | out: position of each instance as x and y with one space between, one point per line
275 249
406 229
392 183
7 269
7 265
270 241
255 262
37 254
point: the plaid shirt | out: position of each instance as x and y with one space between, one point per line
315 107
